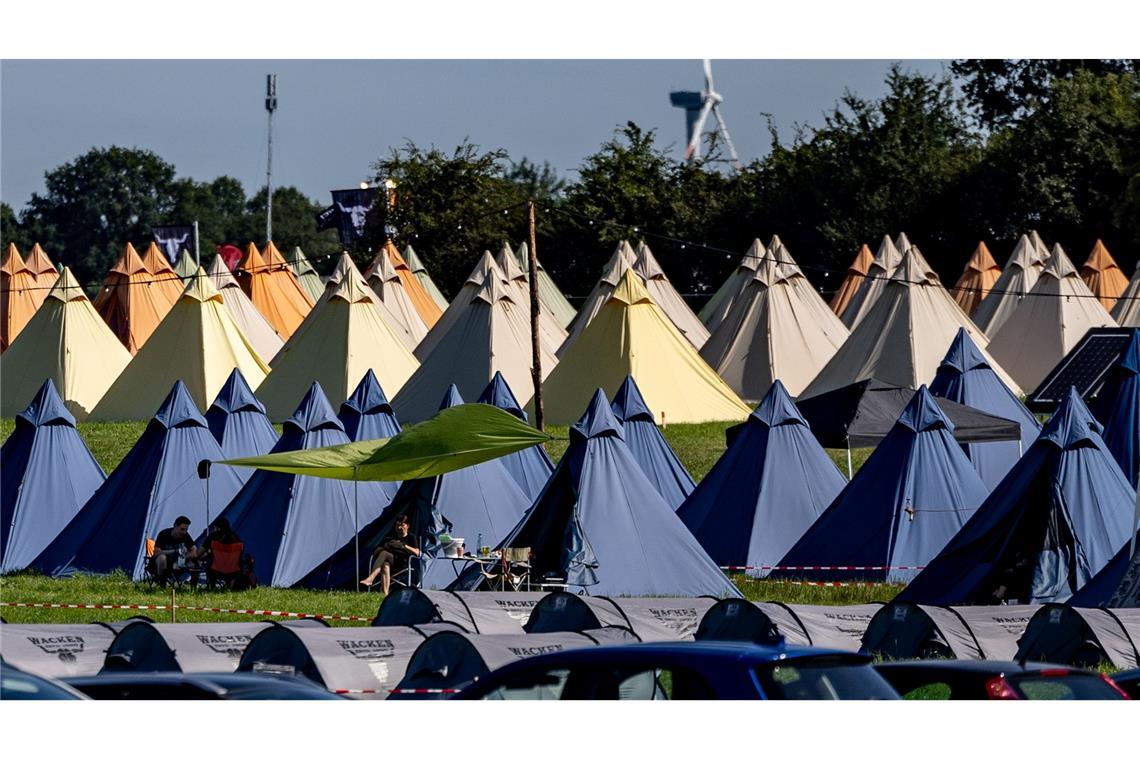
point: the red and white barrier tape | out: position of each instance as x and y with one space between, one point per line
276 613
188 608
356 691
423 691
823 567
53 606
833 584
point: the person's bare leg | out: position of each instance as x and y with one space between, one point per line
160 565
371 578
385 578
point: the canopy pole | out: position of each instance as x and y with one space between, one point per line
356 524
536 354
1135 526
849 459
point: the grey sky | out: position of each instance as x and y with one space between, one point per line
336 117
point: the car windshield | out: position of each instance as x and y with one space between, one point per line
822 680
1068 686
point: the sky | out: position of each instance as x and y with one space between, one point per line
336 117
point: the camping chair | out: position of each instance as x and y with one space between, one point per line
225 567
512 570
175 576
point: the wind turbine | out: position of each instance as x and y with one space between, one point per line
697 107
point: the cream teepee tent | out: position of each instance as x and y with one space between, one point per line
667 298
1127 309
721 301
1017 279
548 292
245 315
623 258
887 258
421 273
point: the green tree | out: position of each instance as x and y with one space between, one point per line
218 206
11 231
294 224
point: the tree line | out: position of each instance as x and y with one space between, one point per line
983 152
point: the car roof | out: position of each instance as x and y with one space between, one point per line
991 667
212 681
735 651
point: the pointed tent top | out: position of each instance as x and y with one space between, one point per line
236 396
47 408
775 243
777 407
185 266
628 403
494 290
623 258
887 257
1024 254
964 354
344 265
1041 250
300 262
1059 265
508 264
629 290
352 287
902 243
647 265
12 262
863 260
484 270
1072 425
314 412
914 269
523 257
753 255
1100 259
922 413
201 288
394 255
368 397
67 288
786 264
273 256
498 393
221 274
39 263
451 398
413 260
381 268
178 409
129 262
981 260
253 262
597 420
155 260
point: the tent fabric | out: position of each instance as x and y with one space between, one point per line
165 279
602 526
978 279
421 273
425 304
1082 636
67 342
902 338
718 305
879 273
49 474
56 650
1101 589
649 448
861 415
284 310
901 630
491 336
777 328
154 483
667 298
551 333
1127 593
252 324
853 280
1051 524
621 259
197 344
549 293
909 498
360 659
473 612
20 295
306 276
185 266
286 280
650 619
1103 276
344 338
966 377
366 414
40 264
292 523
765 491
386 283
630 336
237 421
1126 312
483 272
738 620
530 467
1057 313
1020 274
143 647
830 626
1117 407
131 303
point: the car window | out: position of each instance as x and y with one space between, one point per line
603 683
155 691
1076 686
535 685
823 681
935 690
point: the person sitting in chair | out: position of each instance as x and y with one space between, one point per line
224 536
175 550
392 556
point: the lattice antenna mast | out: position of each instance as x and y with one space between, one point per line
270 107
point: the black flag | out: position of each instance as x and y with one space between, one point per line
326 219
173 239
352 208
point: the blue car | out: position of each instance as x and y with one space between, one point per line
697 670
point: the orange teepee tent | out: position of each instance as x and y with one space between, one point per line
287 282
17 295
166 282
855 274
131 302
256 278
977 279
1103 276
44 270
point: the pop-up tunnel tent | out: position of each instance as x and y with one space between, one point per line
449 660
530 467
650 618
56 650
366 414
829 626
648 446
738 620
471 611
901 630
49 474
237 421
364 663
144 647
1083 636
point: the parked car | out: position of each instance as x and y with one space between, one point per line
170 685
695 670
20 684
992 679
1128 681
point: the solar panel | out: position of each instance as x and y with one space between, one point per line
1085 368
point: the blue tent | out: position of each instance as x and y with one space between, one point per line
1049 526
913 493
237 420
1117 407
478 501
966 377
48 475
1100 588
649 447
292 523
367 415
154 483
531 467
765 491
601 525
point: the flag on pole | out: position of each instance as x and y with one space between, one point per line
352 208
173 238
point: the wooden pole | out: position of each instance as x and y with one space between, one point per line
536 368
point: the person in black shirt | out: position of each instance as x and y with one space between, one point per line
174 550
392 556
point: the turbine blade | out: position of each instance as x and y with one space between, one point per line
694 150
708 76
727 137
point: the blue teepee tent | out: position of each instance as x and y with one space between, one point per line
366 414
765 491
1049 527
237 420
1117 407
531 467
1098 592
48 475
156 482
478 501
909 498
602 526
292 523
649 447
965 376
